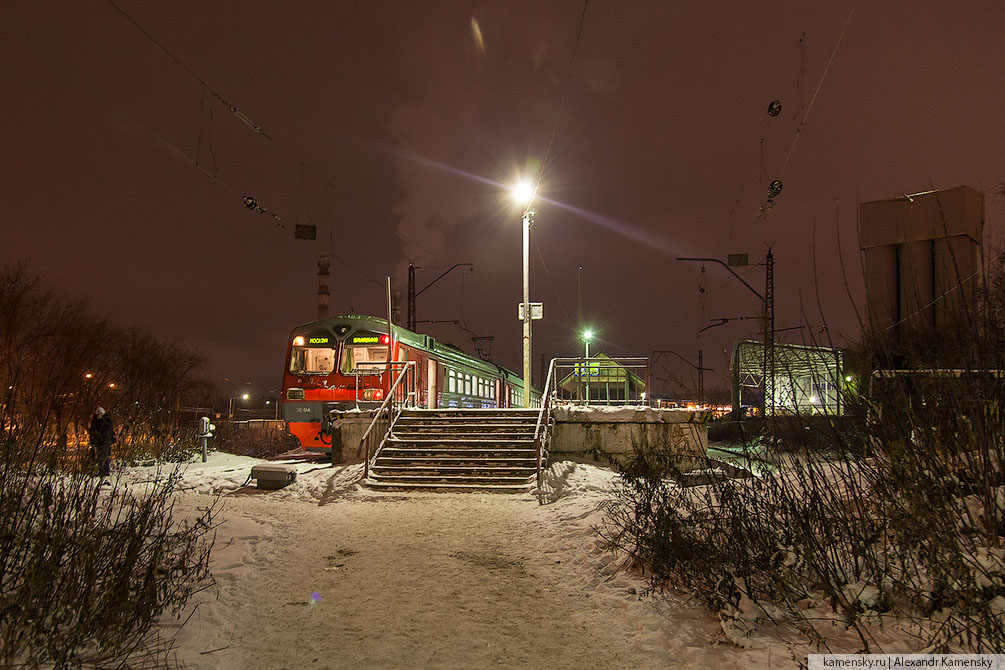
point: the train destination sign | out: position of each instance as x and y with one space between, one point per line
368 339
318 340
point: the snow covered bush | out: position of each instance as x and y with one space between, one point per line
891 526
86 569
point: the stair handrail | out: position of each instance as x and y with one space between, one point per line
391 407
544 420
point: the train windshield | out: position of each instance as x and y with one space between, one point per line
364 359
312 360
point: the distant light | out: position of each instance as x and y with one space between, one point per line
245 396
111 385
523 191
88 375
815 400
848 378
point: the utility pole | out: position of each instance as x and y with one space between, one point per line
411 296
412 293
579 316
768 303
700 368
769 334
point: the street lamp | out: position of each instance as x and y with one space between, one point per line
587 336
523 193
243 396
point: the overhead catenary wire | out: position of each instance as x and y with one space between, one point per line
259 130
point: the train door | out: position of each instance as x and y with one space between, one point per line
431 383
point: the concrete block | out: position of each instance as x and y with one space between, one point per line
273 475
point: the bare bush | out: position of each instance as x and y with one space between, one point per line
895 518
86 570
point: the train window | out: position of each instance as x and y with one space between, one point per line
365 359
467 384
492 391
451 381
312 360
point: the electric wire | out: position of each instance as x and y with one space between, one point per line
241 116
565 92
820 84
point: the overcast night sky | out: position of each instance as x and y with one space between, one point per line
395 126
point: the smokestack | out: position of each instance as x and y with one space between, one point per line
396 307
323 292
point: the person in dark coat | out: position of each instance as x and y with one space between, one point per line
102 437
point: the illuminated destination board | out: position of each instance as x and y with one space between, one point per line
370 338
318 340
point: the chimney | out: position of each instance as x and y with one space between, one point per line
323 292
396 307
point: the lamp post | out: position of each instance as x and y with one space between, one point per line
587 336
230 412
524 194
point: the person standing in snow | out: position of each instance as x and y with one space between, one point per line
102 436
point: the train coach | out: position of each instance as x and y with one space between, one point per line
348 363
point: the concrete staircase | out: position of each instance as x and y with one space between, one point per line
458 449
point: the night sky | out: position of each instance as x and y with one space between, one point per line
394 127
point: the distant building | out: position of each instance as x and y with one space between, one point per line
922 259
603 380
808 379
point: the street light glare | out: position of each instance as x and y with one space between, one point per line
245 396
523 191
587 334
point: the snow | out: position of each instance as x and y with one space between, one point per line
327 574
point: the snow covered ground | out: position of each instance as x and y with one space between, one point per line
327 574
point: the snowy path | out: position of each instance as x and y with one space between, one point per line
432 580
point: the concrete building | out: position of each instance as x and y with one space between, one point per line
922 258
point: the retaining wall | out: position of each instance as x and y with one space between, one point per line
612 433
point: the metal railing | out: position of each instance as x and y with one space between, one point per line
401 394
599 381
542 431
572 381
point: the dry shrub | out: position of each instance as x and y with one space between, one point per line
896 517
85 571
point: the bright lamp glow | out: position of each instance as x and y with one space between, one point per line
523 191
245 396
587 335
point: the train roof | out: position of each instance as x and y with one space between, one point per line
447 352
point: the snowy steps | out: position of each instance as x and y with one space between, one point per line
462 449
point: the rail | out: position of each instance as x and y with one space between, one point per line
542 434
617 381
388 412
